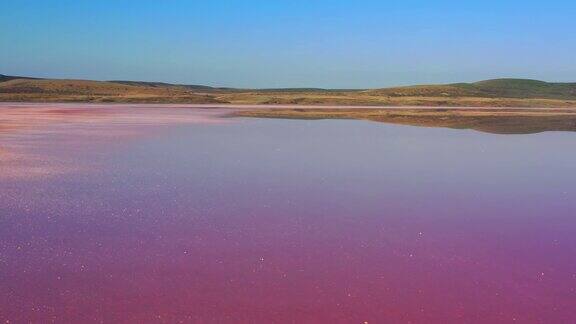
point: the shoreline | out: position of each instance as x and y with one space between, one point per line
280 106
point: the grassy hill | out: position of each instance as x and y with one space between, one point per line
50 90
4 78
496 93
167 85
498 88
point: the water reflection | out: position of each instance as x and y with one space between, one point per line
488 120
493 124
262 221
32 136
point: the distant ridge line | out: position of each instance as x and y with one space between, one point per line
505 92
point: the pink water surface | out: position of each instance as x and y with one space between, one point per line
172 214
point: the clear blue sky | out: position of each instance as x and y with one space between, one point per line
284 43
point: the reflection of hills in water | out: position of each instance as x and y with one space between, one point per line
488 120
495 124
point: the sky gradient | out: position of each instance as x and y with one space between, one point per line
289 43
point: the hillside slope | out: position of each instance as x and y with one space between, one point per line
4 78
494 93
497 88
17 89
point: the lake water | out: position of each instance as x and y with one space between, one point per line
122 214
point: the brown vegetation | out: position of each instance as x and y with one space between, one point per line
95 91
493 93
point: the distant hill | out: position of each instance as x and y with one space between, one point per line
497 88
11 77
51 90
165 85
495 93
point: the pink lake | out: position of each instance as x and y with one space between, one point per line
172 214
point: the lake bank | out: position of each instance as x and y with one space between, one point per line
294 99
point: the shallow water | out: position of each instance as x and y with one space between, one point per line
125 214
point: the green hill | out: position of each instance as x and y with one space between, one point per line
497 88
522 88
